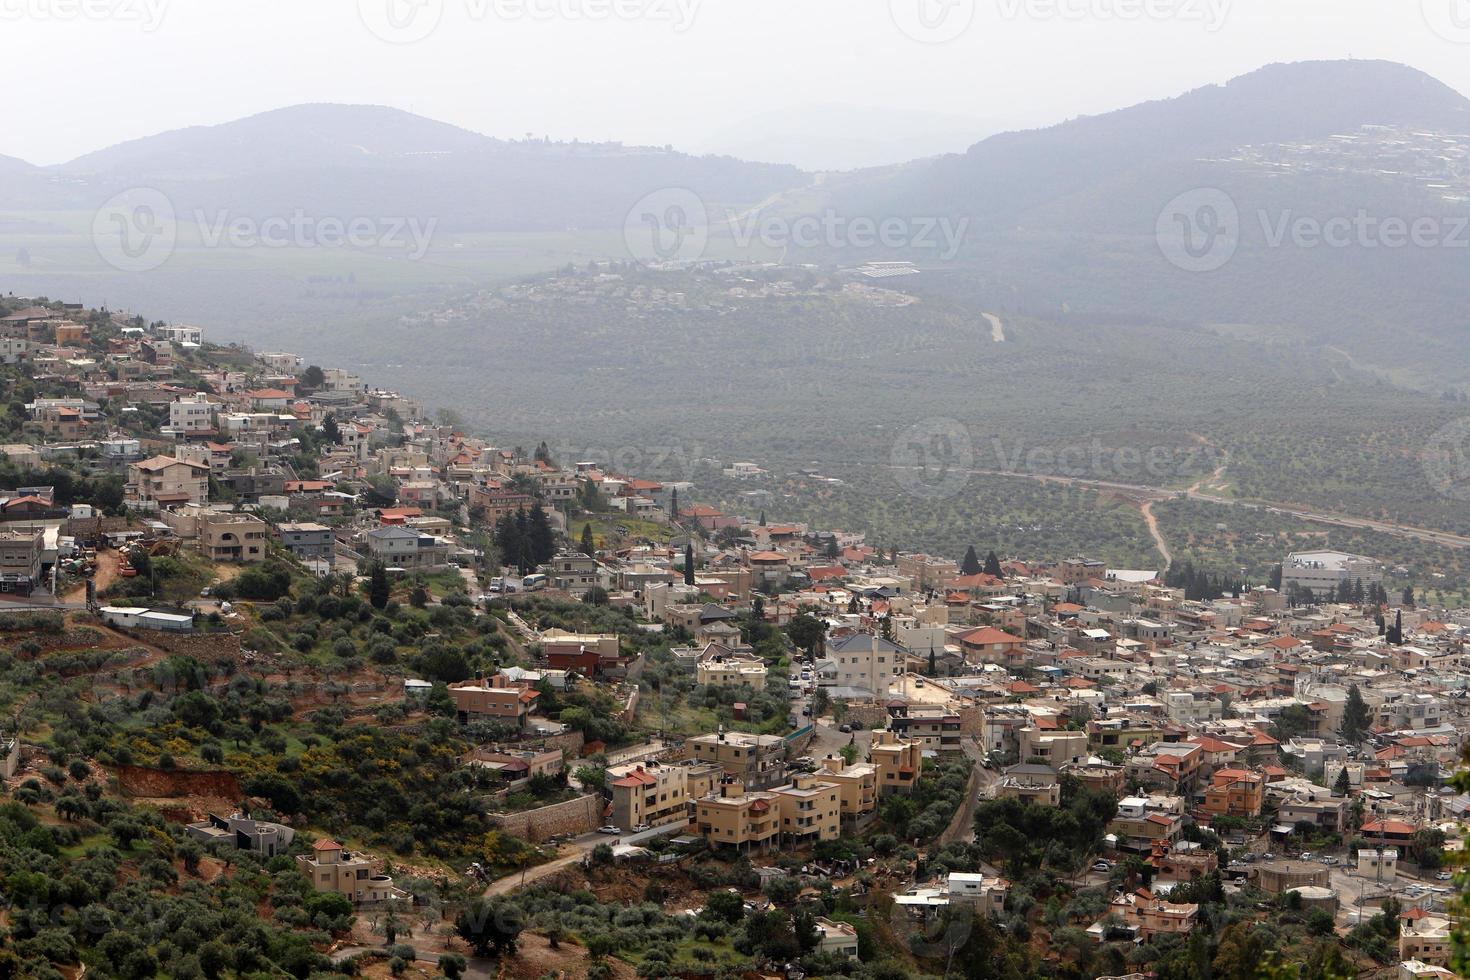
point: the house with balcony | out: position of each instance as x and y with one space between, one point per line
737 819
478 700
162 481
233 537
899 762
332 868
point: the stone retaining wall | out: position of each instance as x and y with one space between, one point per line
577 816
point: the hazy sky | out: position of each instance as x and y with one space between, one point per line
82 74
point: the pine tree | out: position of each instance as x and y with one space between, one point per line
1356 719
933 661
832 548
971 564
378 588
541 536
763 518
1341 787
589 546
689 563
1408 597
1395 635
992 565
674 505
1359 594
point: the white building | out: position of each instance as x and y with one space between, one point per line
1323 571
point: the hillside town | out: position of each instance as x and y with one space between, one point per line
804 755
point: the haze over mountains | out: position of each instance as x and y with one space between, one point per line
1057 221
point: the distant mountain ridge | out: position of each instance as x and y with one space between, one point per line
1005 175
350 160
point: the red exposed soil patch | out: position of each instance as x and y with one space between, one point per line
163 784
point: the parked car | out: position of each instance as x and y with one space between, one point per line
845 729
1445 876
1329 859
1102 867
609 829
1306 855
640 828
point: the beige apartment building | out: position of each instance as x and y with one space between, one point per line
757 761
731 671
744 821
1427 939
331 868
811 810
898 760
857 784
648 794
233 537
163 481
1055 748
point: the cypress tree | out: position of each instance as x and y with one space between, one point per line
589 546
971 565
689 563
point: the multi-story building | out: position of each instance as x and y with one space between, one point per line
308 541
332 868
1427 939
233 537
1235 793
757 761
933 726
927 572
866 661
21 555
899 761
648 794
731 670
736 818
1323 572
402 547
574 572
261 836
191 415
163 481
1144 822
474 700
857 784
1031 783
811 809
1056 748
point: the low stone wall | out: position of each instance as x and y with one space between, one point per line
572 817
